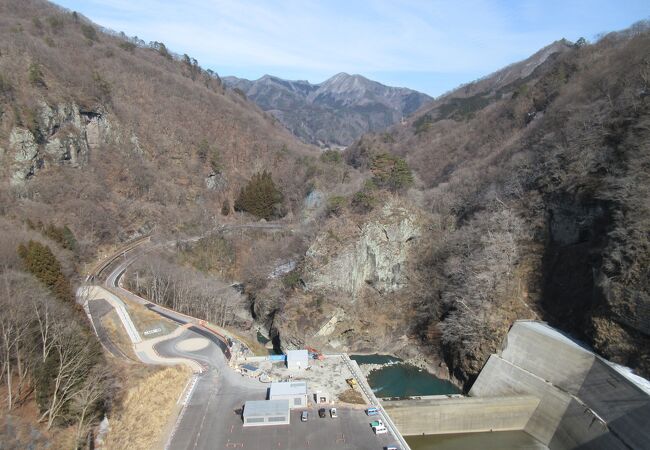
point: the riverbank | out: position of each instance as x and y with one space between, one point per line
390 376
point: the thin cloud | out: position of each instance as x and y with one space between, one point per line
365 36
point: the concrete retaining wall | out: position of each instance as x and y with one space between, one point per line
537 348
461 415
547 385
584 402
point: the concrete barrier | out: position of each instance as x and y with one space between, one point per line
461 415
584 401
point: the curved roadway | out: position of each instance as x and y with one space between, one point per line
211 414
217 393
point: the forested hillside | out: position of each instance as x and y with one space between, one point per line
123 132
538 191
104 138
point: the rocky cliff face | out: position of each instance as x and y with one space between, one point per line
62 135
375 257
335 112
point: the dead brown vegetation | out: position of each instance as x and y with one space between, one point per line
549 174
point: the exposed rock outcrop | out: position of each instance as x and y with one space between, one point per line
375 257
64 135
25 152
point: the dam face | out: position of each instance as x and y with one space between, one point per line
546 384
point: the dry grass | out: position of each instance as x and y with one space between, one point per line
153 397
20 428
352 396
144 319
117 334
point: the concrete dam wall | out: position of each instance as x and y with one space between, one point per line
584 401
461 414
546 384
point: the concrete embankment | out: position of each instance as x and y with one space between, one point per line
461 414
548 385
584 401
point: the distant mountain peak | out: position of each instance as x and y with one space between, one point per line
335 112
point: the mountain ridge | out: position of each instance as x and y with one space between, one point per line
334 112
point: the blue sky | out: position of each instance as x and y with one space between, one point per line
428 45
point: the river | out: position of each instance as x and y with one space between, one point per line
398 379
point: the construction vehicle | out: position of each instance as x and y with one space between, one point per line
315 354
352 382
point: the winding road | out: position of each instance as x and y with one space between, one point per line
216 392
210 416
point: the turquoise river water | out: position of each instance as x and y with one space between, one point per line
404 380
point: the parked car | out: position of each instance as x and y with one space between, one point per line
333 413
304 416
391 447
321 412
380 430
372 411
376 423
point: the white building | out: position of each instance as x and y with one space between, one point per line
297 359
259 413
293 391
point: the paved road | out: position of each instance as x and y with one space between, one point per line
211 417
219 393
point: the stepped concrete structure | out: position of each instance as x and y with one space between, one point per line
585 401
548 385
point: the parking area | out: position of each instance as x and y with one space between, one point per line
351 430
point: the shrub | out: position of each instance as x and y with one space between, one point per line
390 171
225 208
89 32
292 280
260 197
127 46
335 205
422 123
55 23
331 156
161 49
39 260
36 75
363 201
61 235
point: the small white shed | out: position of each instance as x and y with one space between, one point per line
297 359
293 391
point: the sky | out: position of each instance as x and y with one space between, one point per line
428 45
